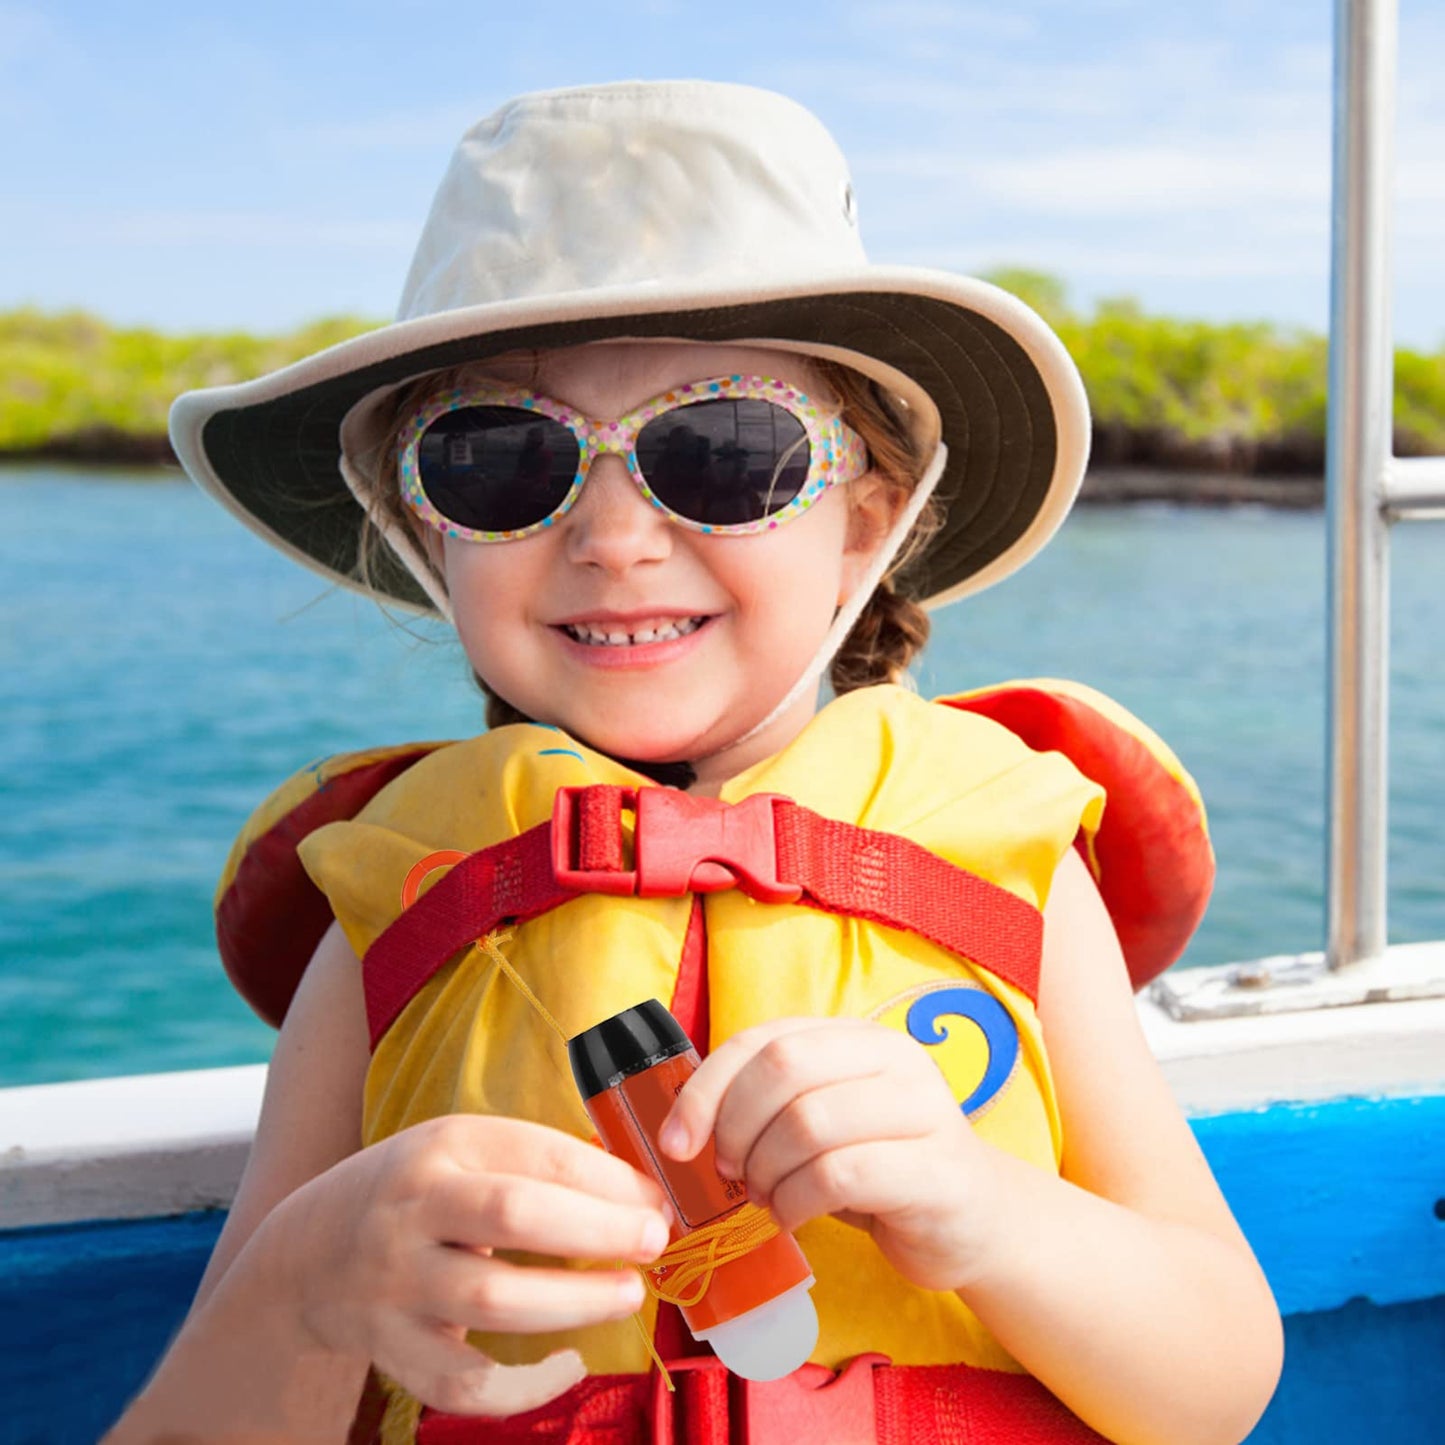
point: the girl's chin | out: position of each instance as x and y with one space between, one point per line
655 733
658 728
641 745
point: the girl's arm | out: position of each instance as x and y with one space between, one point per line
1126 1287
243 1366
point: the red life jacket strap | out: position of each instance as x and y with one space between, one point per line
869 1402
864 873
770 847
511 880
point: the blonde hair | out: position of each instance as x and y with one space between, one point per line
891 629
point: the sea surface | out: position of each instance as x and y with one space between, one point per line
161 671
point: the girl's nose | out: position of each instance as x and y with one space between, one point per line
612 525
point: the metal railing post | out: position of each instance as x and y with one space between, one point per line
1358 453
1367 488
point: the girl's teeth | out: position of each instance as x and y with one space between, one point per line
665 632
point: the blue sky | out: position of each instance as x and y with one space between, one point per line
193 166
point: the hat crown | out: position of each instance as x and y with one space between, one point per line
633 185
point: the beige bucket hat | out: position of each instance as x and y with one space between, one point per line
674 210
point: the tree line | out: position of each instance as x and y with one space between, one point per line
1244 397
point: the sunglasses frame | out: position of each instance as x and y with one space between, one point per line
836 452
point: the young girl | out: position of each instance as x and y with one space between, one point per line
665 448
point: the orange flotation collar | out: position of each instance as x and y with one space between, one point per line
1151 857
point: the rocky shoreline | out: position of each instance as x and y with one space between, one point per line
100 447
1122 485
1109 482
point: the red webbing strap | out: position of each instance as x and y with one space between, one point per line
598 842
671 1337
510 880
841 868
939 1404
612 1410
961 1405
887 879
601 1410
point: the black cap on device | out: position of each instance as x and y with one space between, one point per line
626 1044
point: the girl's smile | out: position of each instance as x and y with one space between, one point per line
612 640
643 638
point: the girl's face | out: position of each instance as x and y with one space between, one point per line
741 617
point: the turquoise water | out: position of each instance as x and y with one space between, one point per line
161 671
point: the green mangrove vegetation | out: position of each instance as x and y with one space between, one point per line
72 385
1238 397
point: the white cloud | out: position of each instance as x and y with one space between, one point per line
24 31
160 229
428 128
1001 98
1160 178
926 20
1109 260
1419 167
887 96
33 50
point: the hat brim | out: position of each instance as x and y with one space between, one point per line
1011 407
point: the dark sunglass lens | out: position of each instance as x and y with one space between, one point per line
725 461
496 468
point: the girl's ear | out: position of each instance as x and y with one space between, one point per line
873 507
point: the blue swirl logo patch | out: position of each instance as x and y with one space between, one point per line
928 1021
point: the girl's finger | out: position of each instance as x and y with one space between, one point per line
693 1117
502 1390
888 1177
477 1292
833 1116
510 1211
486 1143
794 1064
441 1370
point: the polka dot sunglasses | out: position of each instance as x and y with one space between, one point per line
734 455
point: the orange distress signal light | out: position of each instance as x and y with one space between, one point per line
740 1282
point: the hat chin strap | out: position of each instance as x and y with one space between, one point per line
852 609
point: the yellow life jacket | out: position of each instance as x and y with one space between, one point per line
959 785
978 784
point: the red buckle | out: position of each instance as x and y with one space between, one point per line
811 1404
703 845
587 830
681 845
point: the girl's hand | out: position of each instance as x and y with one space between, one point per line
388 1255
850 1118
